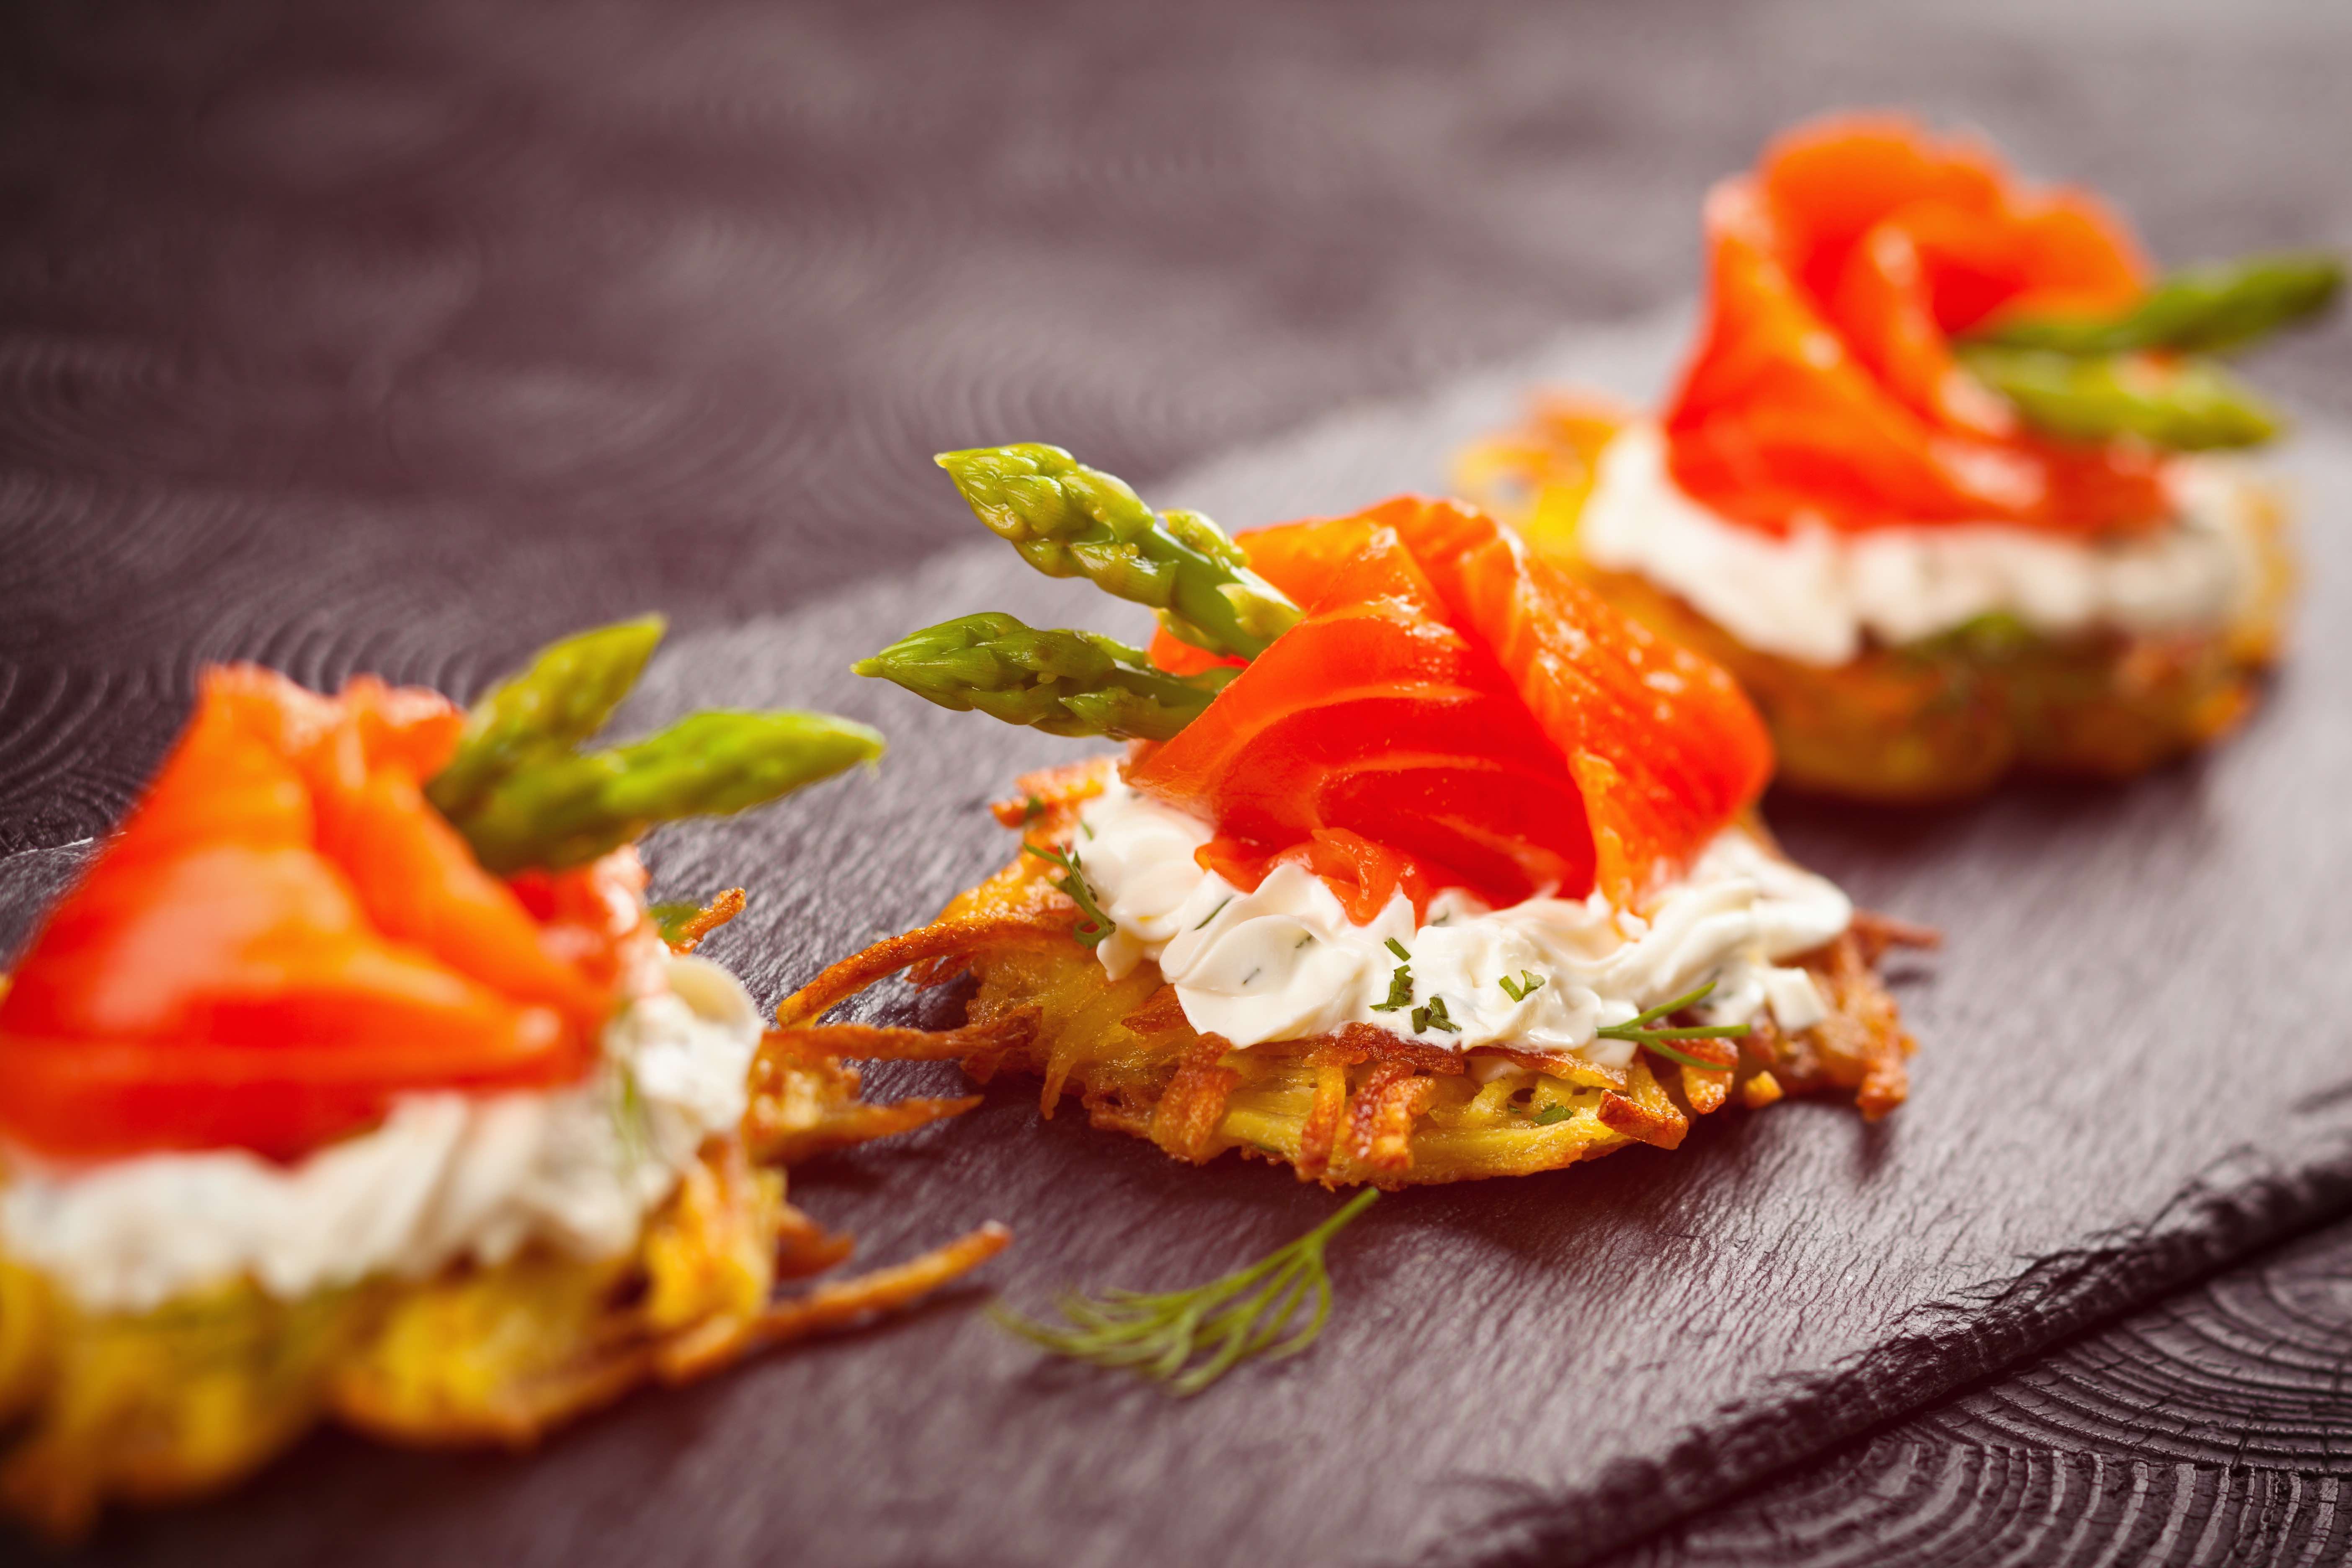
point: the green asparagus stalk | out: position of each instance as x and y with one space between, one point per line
2188 406
565 809
523 793
567 695
1069 521
1063 682
2198 309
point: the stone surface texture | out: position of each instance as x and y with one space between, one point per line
404 338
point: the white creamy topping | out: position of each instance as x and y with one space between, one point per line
1813 596
1285 962
448 1176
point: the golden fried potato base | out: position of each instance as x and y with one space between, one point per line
1938 720
1360 1106
186 1399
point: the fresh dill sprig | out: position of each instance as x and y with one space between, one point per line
1400 982
1212 915
1097 925
1642 1031
1530 982
1433 1017
1031 809
1228 1320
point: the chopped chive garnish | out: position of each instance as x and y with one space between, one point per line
670 920
1433 1017
1527 985
1400 982
1551 1113
630 1122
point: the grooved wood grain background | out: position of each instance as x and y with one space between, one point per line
404 338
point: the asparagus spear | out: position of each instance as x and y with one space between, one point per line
562 809
523 793
1069 521
566 696
2189 406
1063 682
2198 309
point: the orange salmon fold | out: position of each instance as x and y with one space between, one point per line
1469 709
1824 386
285 935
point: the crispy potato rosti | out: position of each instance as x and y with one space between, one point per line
1360 1105
187 1398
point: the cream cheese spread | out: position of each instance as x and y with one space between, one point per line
446 1176
1285 962
1814 595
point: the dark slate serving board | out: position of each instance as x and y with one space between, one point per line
404 337
2132 1069
2209 1431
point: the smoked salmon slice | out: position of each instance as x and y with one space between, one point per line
1824 386
284 935
1665 747
1453 700
1376 717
